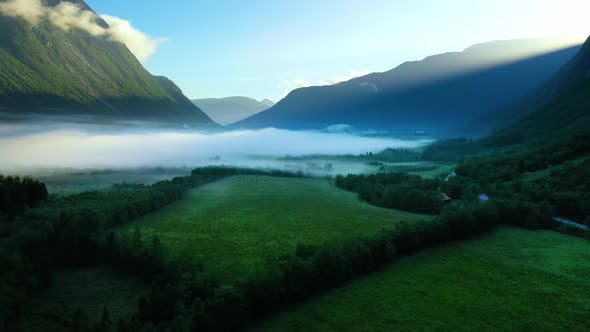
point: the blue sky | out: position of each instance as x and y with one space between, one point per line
264 49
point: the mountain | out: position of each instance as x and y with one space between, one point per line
50 70
566 78
267 102
231 109
565 99
433 95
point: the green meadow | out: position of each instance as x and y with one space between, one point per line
232 227
511 279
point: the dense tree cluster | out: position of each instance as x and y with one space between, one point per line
74 231
307 272
17 194
554 147
390 155
554 178
395 191
451 149
62 232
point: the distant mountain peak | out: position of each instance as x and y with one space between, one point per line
228 110
267 102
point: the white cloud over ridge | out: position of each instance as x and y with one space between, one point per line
344 78
297 83
67 16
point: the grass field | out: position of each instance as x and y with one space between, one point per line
509 280
234 226
88 288
439 170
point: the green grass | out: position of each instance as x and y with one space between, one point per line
234 226
439 170
89 288
509 280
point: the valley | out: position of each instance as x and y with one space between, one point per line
234 226
462 287
424 168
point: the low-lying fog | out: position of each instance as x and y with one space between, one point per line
24 148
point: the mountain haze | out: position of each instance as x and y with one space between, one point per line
267 102
46 69
434 95
228 110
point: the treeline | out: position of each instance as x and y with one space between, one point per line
510 164
391 155
451 150
561 144
395 191
17 194
180 299
561 188
553 176
61 232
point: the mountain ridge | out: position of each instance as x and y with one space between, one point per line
402 99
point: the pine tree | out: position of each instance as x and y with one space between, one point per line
105 318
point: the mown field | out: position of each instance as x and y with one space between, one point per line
90 289
509 280
234 226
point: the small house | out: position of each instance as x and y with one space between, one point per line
452 174
445 198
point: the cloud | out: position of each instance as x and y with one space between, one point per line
140 44
67 16
372 86
30 10
344 78
301 83
290 85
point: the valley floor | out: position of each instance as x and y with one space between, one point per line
234 226
511 279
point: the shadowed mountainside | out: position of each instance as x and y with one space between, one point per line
434 95
564 100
